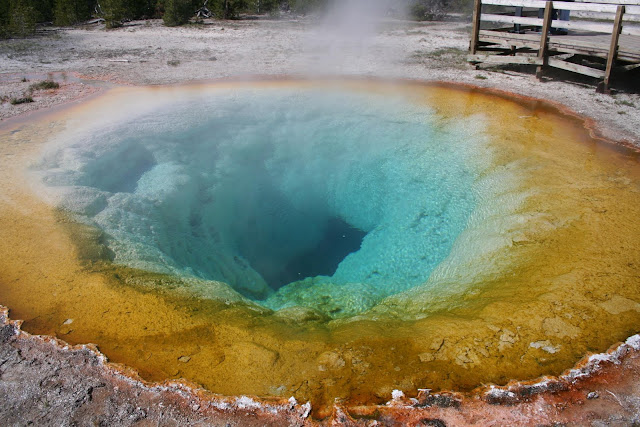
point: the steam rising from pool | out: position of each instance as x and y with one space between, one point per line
324 198
347 34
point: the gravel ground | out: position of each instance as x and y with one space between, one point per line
146 53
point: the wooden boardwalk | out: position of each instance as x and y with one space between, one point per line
599 43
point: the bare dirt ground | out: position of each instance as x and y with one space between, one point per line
44 382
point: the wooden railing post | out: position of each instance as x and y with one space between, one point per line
477 12
613 50
516 27
544 38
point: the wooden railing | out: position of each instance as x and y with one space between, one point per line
527 40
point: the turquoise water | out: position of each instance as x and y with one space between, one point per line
328 199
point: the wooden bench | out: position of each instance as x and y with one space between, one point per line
603 36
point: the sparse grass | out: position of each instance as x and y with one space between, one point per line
480 77
24 80
622 112
197 24
17 101
449 57
119 53
625 103
54 35
173 62
464 30
19 47
416 32
447 51
44 85
419 54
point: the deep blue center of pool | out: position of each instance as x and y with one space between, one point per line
289 196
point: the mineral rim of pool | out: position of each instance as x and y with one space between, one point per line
322 240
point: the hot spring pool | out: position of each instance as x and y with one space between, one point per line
321 239
322 198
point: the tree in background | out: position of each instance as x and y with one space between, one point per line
429 10
230 9
265 6
44 10
114 12
306 6
69 12
177 12
143 9
21 19
4 18
434 10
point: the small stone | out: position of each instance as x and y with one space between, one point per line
508 337
397 394
437 344
330 360
593 395
426 357
184 359
545 345
68 322
466 358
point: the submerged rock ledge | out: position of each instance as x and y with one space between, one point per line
44 380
